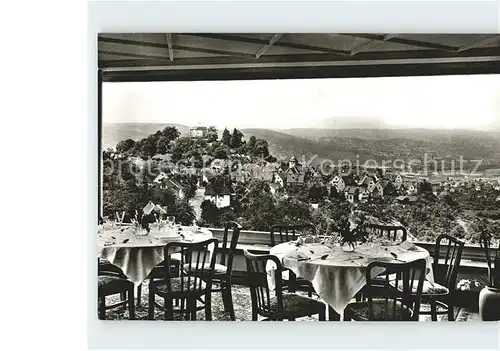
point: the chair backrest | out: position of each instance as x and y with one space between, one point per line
260 291
197 263
395 233
107 268
402 290
228 248
493 260
289 232
450 249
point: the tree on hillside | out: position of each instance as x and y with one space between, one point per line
212 134
171 133
261 148
162 197
251 144
424 187
292 210
181 148
317 193
220 153
236 139
209 212
162 144
124 146
148 147
184 211
226 137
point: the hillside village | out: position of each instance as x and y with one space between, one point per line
218 175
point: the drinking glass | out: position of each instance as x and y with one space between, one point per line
171 221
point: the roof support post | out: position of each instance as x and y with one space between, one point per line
99 144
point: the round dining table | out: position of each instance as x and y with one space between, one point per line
137 254
336 275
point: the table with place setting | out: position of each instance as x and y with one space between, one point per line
136 252
337 275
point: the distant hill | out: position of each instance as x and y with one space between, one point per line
340 144
379 144
112 133
375 133
284 145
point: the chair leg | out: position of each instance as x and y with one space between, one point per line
255 317
322 315
347 316
208 306
151 305
131 303
451 312
169 309
433 310
139 295
102 307
292 282
227 299
192 308
310 292
333 315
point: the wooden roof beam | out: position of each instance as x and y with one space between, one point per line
370 44
266 47
243 39
137 43
169 45
403 41
481 42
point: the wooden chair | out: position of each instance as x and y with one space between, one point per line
281 306
441 295
111 267
112 281
289 232
492 260
193 284
396 234
286 233
224 267
390 304
221 281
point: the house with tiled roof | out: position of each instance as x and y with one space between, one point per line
219 195
369 182
356 193
294 174
338 182
389 188
280 178
174 186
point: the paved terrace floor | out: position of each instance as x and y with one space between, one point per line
242 306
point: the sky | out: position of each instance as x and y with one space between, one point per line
445 102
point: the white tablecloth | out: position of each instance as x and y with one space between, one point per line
341 275
137 255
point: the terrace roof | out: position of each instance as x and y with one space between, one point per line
217 56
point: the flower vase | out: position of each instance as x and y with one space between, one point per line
489 303
348 246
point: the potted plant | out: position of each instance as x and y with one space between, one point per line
489 297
